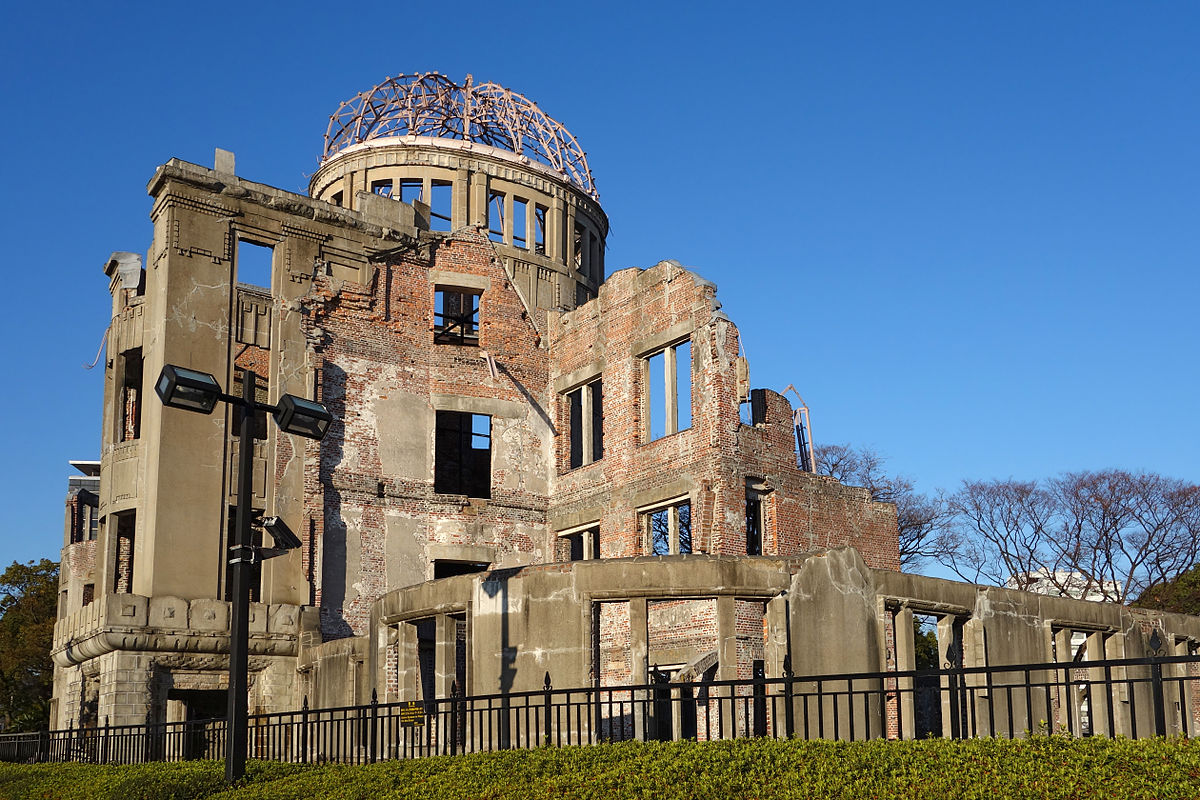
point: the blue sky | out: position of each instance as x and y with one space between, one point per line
967 233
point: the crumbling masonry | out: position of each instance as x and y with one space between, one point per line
533 466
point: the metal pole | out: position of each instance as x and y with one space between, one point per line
239 574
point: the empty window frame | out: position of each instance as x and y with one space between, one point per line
441 205
462 459
456 316
336 199
495 215
579 241
585 424
667 529
756 517
668 377
520 222
595 263
383 188
410 190
539 230
447 568
253 262
582 294
130 420
126 525
582 544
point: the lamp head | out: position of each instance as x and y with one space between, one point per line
188 389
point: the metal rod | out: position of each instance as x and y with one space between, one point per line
239 570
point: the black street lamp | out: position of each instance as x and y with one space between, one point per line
188 389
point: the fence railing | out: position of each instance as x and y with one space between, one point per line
1129 697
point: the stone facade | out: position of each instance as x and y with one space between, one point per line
531 468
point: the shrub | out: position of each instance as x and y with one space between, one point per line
1039 767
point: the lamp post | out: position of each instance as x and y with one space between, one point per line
199 392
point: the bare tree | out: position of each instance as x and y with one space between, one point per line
921 518
1000 533
1107 534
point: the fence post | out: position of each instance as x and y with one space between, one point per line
454 718
373 736
1157 651
104 743
789 711
304 730
546 709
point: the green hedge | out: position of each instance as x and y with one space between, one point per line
1041 767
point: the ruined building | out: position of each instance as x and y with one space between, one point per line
536 465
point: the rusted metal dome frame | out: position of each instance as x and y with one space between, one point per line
432 105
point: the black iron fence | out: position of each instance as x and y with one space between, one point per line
1130 697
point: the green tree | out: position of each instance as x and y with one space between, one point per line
1181 595
28 603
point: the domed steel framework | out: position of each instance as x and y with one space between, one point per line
430 104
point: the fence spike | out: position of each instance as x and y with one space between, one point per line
304 706
546 685
374 697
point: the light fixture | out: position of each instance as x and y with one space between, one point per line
302 417
284 538
188 389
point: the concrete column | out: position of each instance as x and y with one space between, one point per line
906 659
639 653
1114 649
727 664
1100 696
531 226
407 662
445 636
1066 704
555 246
569 237
459 194
945 636
477 204
508 219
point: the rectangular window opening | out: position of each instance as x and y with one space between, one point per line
580 237
580 545
495 215
520 218
410 190
463 454
539 230
336 199
595 268
582 294
253 263
382 188
585 424
443 568
89 593
131 395
123 577
667 530
668 376
441 205
456 317
756 518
